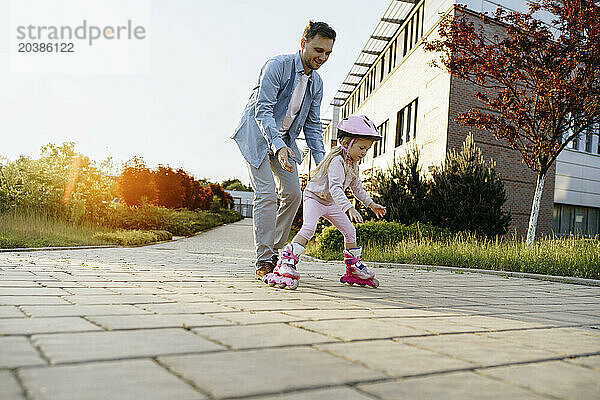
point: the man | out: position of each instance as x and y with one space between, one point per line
286 100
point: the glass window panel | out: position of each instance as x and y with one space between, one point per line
415 20
593 220
566 219
580 221
410 34
399 127
422 19
408 121
415 119
556 219
405 41
588 142
384 139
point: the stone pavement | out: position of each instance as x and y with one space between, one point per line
186 320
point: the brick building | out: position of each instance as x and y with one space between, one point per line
413 103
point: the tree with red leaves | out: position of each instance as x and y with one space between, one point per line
136 183
540 83
169 188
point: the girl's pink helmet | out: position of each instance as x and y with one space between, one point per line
358 126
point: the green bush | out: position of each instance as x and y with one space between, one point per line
131 238
178 222
464 194
380 233
467 195
61 182
402 189
228 216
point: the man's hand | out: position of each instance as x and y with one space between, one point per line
355 215
378 209
283 155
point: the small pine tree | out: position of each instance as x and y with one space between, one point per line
402 189
467 194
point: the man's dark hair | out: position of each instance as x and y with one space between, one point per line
318 28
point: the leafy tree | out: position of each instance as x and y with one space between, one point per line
223 198
402 188
203 197
235 184
136 183
541 88
61 182
189 193
466 194
169 189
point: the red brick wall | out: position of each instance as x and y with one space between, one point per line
519 180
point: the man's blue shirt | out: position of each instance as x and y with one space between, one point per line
258 131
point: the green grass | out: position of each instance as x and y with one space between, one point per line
128 226
564 257
35 229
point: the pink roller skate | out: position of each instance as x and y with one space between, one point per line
285 275
357 272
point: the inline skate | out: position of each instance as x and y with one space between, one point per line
284 275
357 273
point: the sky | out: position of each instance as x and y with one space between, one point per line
182 105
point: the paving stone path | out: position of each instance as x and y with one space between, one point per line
186 320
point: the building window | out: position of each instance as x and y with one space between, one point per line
593 221
379 147
413 30
394 50
588 142
373 80
391 61
399 127
415 118
408 121
422 19
406 42
575 143
572 220
415 33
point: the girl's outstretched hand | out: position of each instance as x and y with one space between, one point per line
355 215
378 209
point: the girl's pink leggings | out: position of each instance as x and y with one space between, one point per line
313 210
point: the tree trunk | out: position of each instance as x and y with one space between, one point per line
535 209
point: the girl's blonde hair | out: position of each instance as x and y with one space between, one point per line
349 168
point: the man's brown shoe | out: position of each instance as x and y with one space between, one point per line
263 268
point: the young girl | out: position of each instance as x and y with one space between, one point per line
324 197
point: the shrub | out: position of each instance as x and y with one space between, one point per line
61 182
228 216
467 195
178 222
136 183
402 189
235 184
380 233
129 238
